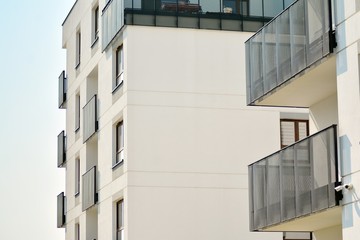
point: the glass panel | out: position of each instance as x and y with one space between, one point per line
273 190
288 183
90 118
256 8
89 189
315 30
288 2
259 193
303 178
298 38
113 20
272 8
61 149
320 169
270 66
256 65
210 6
283 46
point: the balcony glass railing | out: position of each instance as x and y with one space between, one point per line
293 41
61 210
295 181
61 149
90 118
89 194
62 90
237 15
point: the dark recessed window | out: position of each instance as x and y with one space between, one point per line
119 142
77 231
77 176
78 49
96 23
120 220
77 112
119 66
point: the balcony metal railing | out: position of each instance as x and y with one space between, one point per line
89 194
295 181
61 216
90 118
239 15
61 151
293 41
62 90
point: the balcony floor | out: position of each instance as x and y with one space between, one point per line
307 88
312 222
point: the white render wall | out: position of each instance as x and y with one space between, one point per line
348 35
188 134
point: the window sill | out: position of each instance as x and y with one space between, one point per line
117 87
77 194
77 65
116 165
77 129
95 41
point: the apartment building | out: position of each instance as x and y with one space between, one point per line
308 56
158 134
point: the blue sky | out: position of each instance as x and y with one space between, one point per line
31 59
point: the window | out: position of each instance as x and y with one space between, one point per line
78 49
235 6
119 142
293 131
119 66
77 231
120 220
77 112
95 24
77 176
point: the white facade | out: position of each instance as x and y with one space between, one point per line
188 134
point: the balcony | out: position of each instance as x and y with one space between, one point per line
89 195
293 189
90 118
61 153
291 56
62 90
61 210
235 15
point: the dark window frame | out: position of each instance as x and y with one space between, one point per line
296 129
119 219
78 49
77 112
77 176
119 143
119 65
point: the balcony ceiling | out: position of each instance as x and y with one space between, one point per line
307 88
312 222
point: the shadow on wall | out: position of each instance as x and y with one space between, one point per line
341 59
345 163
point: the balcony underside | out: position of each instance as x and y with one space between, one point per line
307 88
312 222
